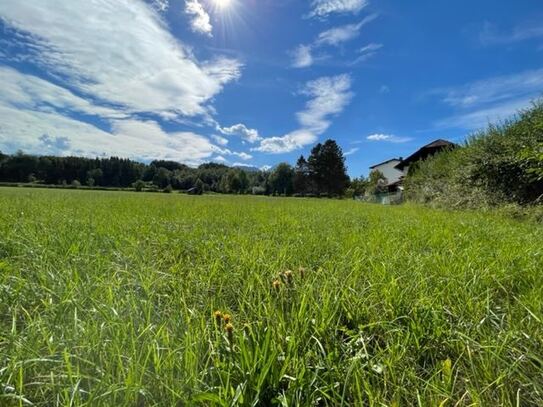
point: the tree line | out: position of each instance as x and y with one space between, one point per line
323 173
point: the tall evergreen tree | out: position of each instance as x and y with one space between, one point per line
301 182
327 170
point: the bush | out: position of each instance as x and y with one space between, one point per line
168 189
139 185
497 166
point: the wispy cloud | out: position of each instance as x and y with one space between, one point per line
351 151
328 97
333 37
480 118
367 52
496 89
222 141
161 5
200 23
478 103
302 56
28 91
370 48
324 8
338 35
159 74
247 134
491 35
390 138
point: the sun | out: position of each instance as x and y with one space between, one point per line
222 4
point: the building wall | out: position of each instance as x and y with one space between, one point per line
388 170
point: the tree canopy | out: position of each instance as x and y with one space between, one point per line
323 173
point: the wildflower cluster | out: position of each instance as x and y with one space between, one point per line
224 320
287 278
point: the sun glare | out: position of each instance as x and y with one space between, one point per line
222 4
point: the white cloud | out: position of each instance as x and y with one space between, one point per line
34 118
200 22
32 92
302 56
226 151
243 156
161 5
139 68
49 132
337 35
290 142
328 97
388 138
247 134
367 52
351 151
149 141
370 48
323 8
220 159
222 141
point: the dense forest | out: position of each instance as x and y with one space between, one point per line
322 174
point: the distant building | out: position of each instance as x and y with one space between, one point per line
423 153
391 173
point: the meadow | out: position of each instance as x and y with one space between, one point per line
119 299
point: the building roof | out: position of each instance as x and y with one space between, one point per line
424 152
385 162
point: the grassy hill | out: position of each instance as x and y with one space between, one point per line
108 299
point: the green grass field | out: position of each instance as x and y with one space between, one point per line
107 299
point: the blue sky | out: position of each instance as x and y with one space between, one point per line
257 82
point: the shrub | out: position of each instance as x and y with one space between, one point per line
139 185
499 165
168 189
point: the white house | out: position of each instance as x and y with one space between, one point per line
387 168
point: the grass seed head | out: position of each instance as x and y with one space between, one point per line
276 284
288 276
218 316
227 318
302 271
